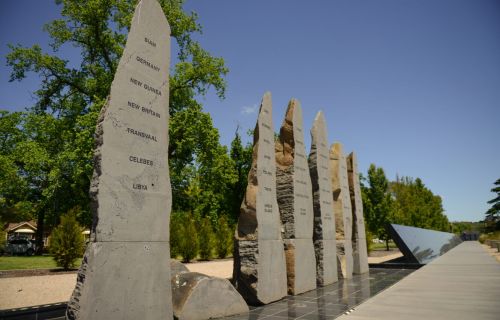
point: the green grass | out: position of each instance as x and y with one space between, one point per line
381 246
33 262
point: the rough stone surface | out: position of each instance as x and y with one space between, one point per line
324 218
359 250
342 210
259 271
125 272
177 267
299 253
294 192
197 296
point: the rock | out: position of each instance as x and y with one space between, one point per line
324 221
196 296
177 267
294 191
360 254
125 274
342 209
259 272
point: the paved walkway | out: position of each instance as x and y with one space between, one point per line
462 284
21 292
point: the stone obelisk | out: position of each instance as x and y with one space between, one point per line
125 272
324 218
294 193
359 250
259 271
342 209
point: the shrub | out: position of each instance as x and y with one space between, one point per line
223 238
369 241
67 242
183 236
205 238
3 238
175 234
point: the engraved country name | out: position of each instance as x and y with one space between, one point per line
140 160
145 86
301 182
269 173
147 63
150 42
268 208
303 211
151 112
142 134
138 186
300 168
265 125
267 157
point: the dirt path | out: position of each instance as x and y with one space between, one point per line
17 292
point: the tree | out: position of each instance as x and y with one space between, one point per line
205 238
377 203
56 136
67 243
223 238
493 213
415 205
242 158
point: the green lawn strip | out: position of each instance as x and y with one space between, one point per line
33 262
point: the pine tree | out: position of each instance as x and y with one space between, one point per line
205 239
493 213
67 242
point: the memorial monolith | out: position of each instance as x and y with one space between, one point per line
125 273
259 272
324 220
294 192
342 209
359 250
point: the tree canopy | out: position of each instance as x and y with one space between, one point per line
493 213
406 201
47 151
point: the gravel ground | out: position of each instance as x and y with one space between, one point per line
46 287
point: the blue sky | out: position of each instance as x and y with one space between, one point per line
412 86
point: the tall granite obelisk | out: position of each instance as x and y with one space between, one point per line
359 250
125 272
324 218
294 192
342 209
259 271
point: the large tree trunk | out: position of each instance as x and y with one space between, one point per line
39 232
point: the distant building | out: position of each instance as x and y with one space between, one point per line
21 230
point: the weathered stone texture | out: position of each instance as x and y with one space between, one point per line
197 297
294 193
360 255
342 210
324 221
259 271
125 273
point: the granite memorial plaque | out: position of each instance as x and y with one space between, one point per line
324 222
125 272
259 271
294 192
359 250
342 210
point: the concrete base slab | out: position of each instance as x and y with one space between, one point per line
300 265
114 288
326 262
260 270
360 257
